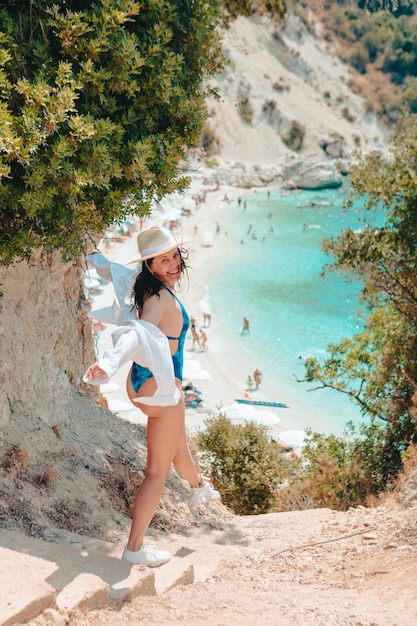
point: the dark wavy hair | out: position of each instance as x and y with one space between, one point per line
147 284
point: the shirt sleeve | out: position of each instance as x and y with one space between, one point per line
126 348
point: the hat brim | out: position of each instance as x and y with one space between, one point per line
153 256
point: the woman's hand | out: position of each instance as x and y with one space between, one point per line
95 372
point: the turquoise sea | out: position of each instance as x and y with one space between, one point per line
274 281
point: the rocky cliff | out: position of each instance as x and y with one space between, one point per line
283 94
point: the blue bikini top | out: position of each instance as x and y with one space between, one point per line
178 356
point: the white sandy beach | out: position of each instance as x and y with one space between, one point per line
220 376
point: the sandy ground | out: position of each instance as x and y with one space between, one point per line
309 568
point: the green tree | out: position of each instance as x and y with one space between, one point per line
359 57
377 367
410 92
397 7
401 56
244 462
99 101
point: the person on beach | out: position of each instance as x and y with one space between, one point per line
191 394
245 327
152 325
257 377
203 339
249 382
206 319
196 338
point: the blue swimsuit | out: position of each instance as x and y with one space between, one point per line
140 374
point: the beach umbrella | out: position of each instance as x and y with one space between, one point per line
294 438
194 371
245 413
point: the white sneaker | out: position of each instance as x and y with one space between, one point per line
203 495
147 555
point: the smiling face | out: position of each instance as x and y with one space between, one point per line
167 267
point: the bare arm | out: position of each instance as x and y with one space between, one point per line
154 309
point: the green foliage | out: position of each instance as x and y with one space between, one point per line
378 38
332 473
235 8
245 464
98 104
341 472
397 7
359 57
377 367
401 58
410 93
255 475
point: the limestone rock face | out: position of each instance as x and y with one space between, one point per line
243 175
45 337
312 173
283 93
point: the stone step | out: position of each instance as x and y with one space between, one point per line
188 562
86 574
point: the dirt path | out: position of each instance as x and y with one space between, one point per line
308 568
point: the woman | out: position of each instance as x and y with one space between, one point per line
160 322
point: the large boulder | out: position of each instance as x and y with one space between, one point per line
312 172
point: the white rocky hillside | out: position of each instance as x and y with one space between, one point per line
282 79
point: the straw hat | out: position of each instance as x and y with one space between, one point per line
154 242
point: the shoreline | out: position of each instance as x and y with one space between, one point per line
229 371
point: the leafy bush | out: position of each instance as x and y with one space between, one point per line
255 475
359 57
245 464
293 137
99 103
209 141
397 7
410 93
378 39
333 472
246 110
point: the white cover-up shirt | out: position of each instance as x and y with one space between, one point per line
134 339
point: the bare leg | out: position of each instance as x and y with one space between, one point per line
166 441
184 462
